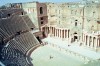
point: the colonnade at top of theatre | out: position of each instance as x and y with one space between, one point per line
91 41
62 33
57 32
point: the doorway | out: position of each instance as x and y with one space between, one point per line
75 38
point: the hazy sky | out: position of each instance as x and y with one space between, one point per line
2 2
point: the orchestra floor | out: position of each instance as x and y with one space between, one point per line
61 53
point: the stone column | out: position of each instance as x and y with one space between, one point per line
88 41
83 37
61 34
67 34
54 32
50 30
46 30
95 43
43 29
92 42
84 40
98 42
58 32
64 33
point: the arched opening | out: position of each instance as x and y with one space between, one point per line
75 36
41 10
38 38
41 18
41 22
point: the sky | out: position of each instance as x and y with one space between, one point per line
2 2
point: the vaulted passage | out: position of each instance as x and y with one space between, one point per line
38 38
